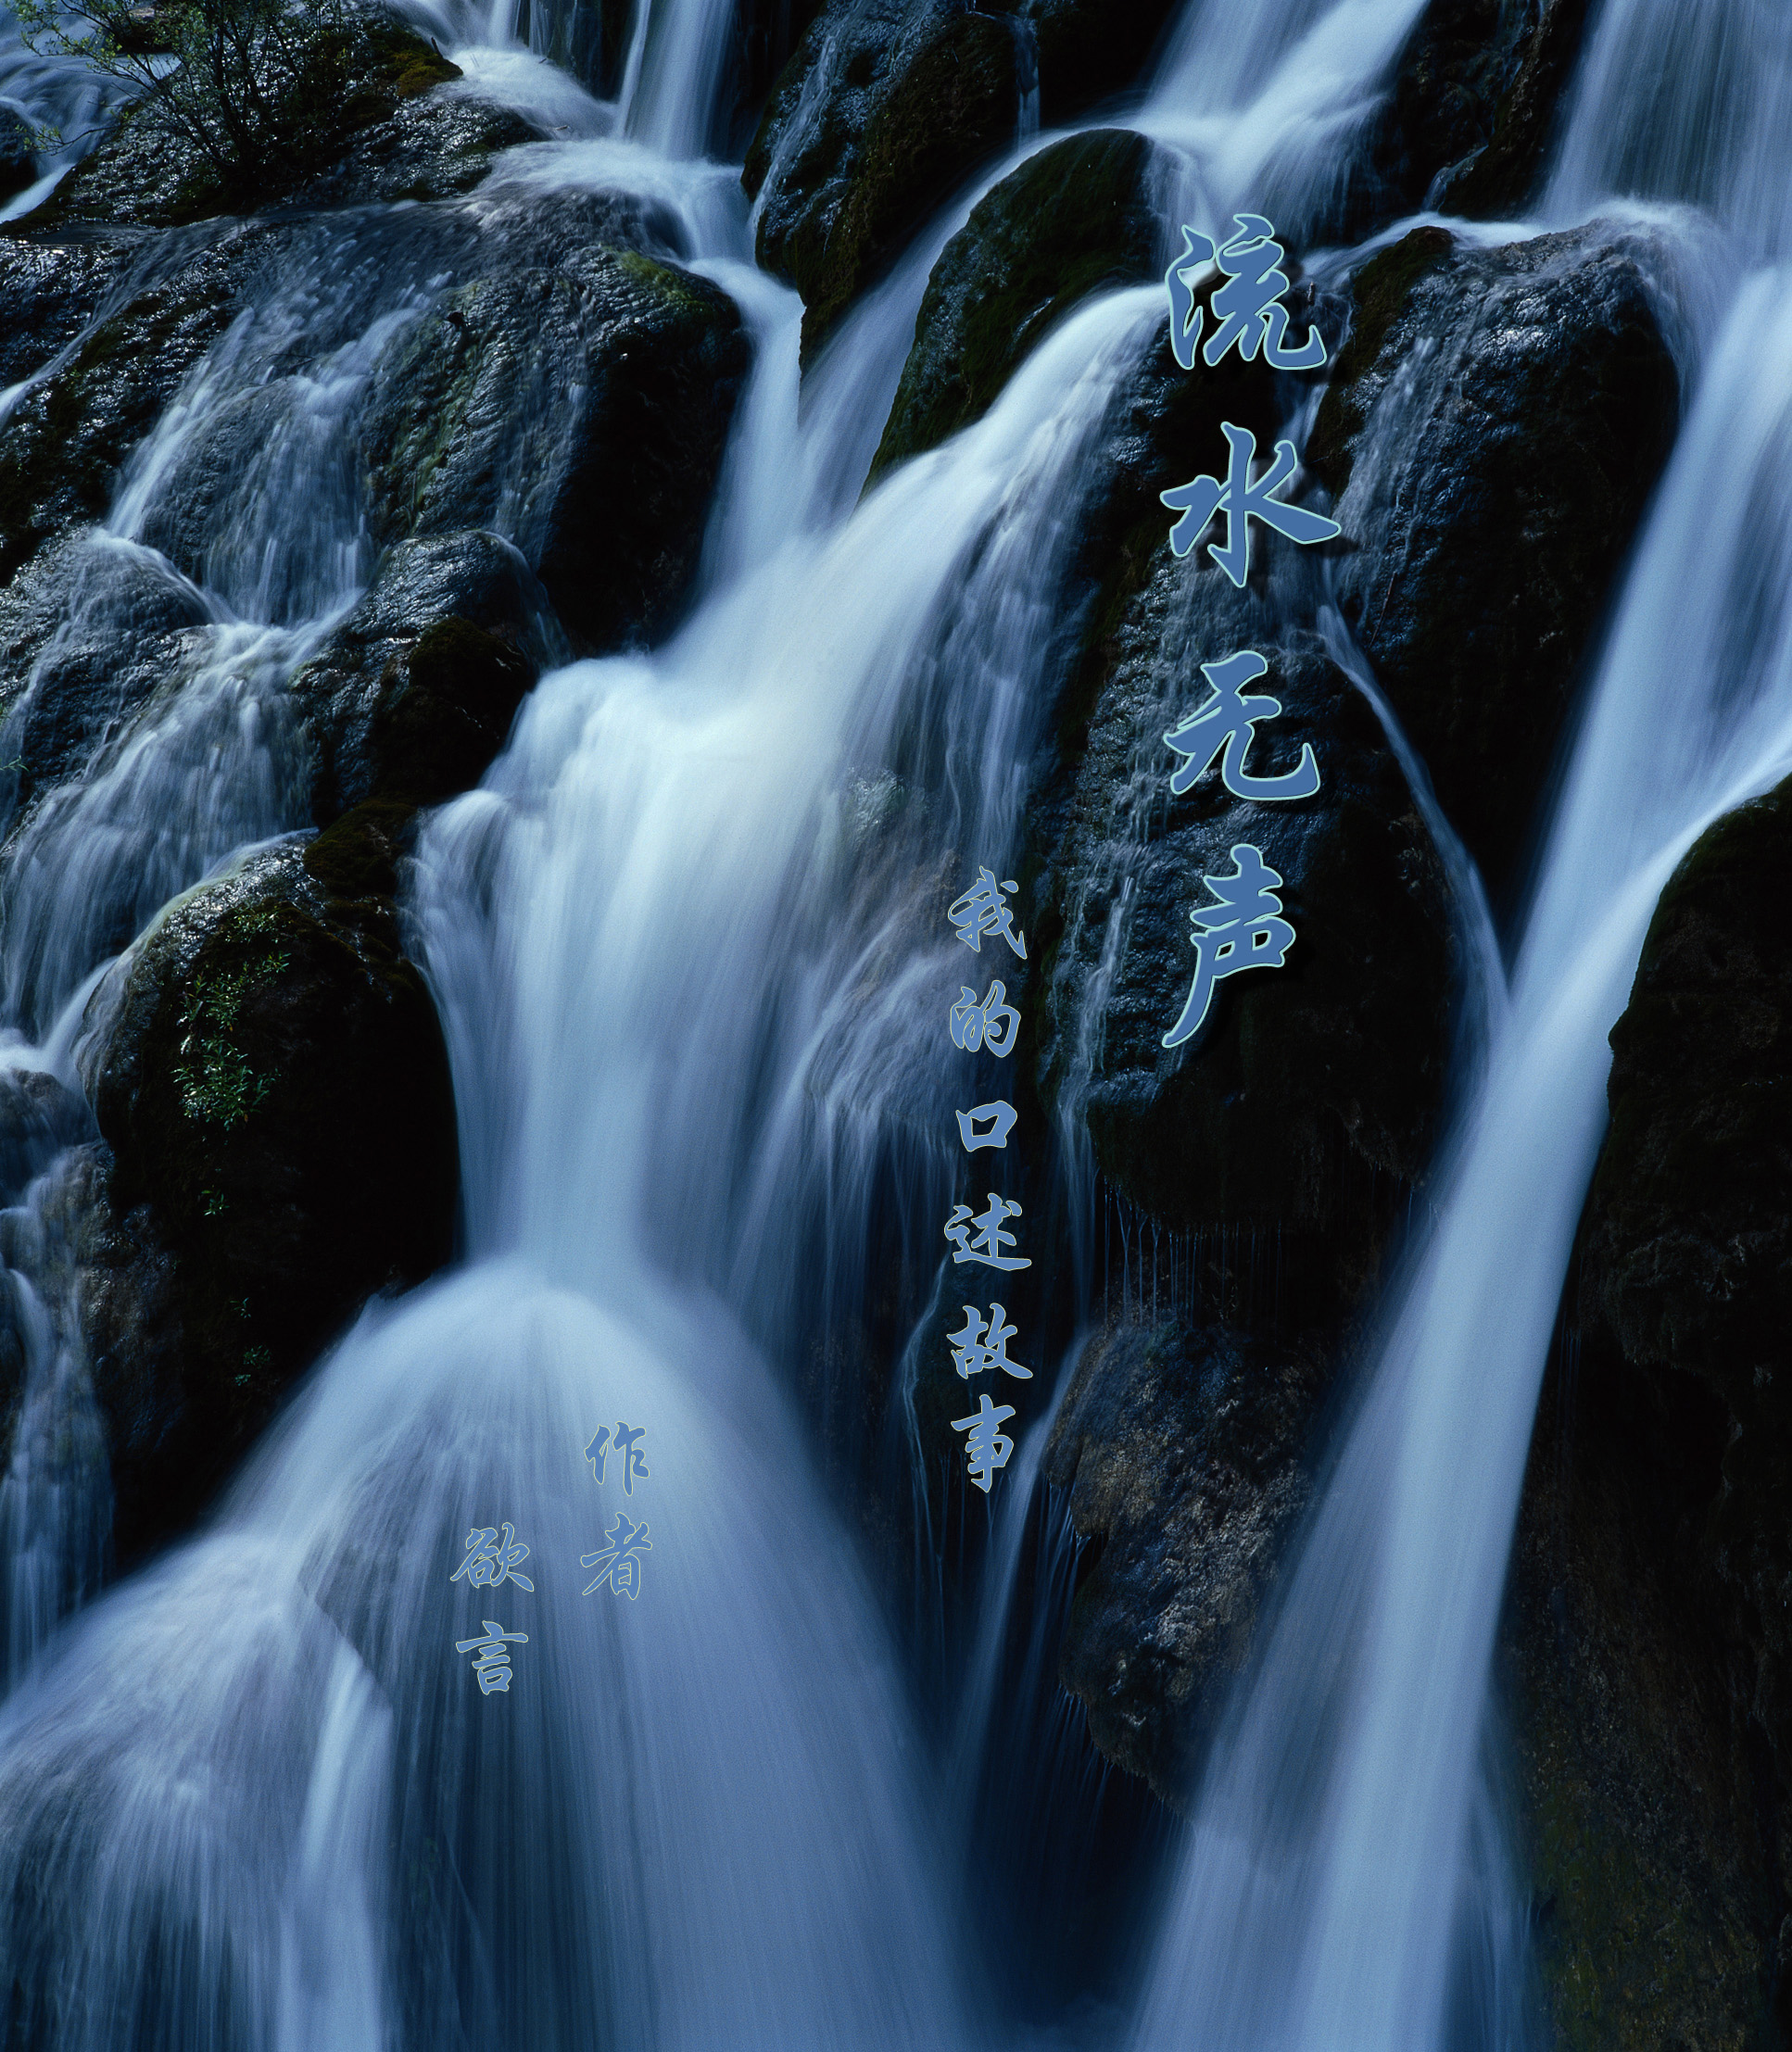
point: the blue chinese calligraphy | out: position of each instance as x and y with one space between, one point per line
983 910
982 1238
1227 722
979 1346
1243 930
490 1561
1248 313
619 1563
984 1022
985 1448
602 1445
1241 501
493 1665
975 1133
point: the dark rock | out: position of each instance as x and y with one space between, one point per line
269 1075
374 137
49 291
884 112
1078 219
18 154
1647 1827
1491 434
67 438
1477 89
1688 1234
1183 1448
1307 1108
887 108
583 407
39 1117
414 693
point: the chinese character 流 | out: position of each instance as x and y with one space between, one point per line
1247 306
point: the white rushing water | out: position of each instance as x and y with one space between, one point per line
681 940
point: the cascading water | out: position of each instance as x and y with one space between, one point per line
680 940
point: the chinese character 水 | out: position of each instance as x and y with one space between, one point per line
1228 721
977 1348
984 1022
971 1131
1241 501
983 910
619 1563
1247 307
488 1562
985 1449
1244 930
986 1232
493 1665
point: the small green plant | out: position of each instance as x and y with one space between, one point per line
217 1082
252 86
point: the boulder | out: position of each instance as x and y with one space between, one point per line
1181 1445
18 154
883 112
1490 496
271 1087
1076 219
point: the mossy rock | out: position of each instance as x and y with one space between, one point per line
1076 219
916 120
272 1084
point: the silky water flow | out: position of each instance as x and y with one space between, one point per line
684 965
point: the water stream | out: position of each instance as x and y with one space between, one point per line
685 946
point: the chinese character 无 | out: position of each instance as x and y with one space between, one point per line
493 1665
1244 930
1228 722
619 1563
985 1449
986 1232
1240 502
984 1022
977 1348
971 1125
983 910
1247 306
488 1562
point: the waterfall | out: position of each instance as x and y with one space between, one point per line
1340 1830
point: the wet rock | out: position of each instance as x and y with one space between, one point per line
88 633
1491 434
372 136
67 440
39 1117
270 1079
1647 1831
581 406
884 111
18 154
413 695
1689 1233
49 291
1307 1107
1182 1447
1076 219
1476 92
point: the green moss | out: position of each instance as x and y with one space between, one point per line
218 1084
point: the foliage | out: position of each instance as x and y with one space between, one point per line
253 86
